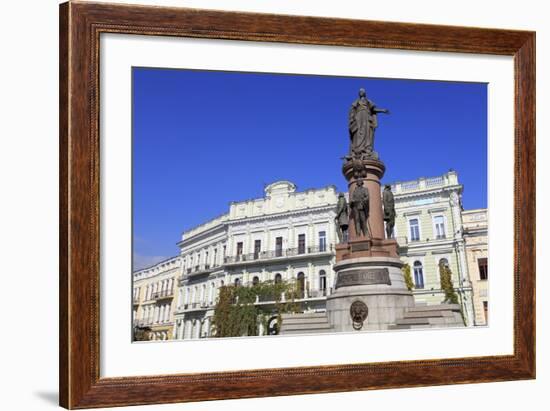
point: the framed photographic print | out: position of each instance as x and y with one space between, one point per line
259 205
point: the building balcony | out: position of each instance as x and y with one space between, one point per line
142 323
424 183
297 252
199 270
160 324
148 322
304 296
162 295
204 305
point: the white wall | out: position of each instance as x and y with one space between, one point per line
28 210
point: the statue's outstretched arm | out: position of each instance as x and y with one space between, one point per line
377 110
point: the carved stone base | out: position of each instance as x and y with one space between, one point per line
367 247
376 282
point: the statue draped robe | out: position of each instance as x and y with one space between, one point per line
362 122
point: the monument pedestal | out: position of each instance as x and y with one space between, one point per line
378 283
370 290
366 247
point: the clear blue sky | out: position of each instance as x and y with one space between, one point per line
202 139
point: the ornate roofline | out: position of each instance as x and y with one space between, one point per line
227 223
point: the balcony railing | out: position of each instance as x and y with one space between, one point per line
279 253
200 269
162 294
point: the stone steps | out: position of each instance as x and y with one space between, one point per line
413 321
306 326
314 320
304 315
304 323
429 316
424 314
435 307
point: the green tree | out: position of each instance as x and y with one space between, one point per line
142 333
408 278
446 277
236 313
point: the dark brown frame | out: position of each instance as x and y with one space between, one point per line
80 27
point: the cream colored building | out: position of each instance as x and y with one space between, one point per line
153 298
290 235
428 228
475 236
286 235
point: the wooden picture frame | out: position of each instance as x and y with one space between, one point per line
80 27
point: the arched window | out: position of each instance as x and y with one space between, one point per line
444 262
300 285
255 281
237 282
418 275
278 278
323 282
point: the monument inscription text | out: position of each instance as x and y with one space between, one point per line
371 276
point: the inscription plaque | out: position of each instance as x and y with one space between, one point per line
364 246
370 276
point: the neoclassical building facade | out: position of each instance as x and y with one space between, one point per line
153 298
429 230
475 237
290 235
287 235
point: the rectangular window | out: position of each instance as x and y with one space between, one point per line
257 248
278 246
486 311
301 243
414 229
239 248
439 223
483 269
215 262
206 262
322 241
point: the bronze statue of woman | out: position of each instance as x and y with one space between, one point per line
362 124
